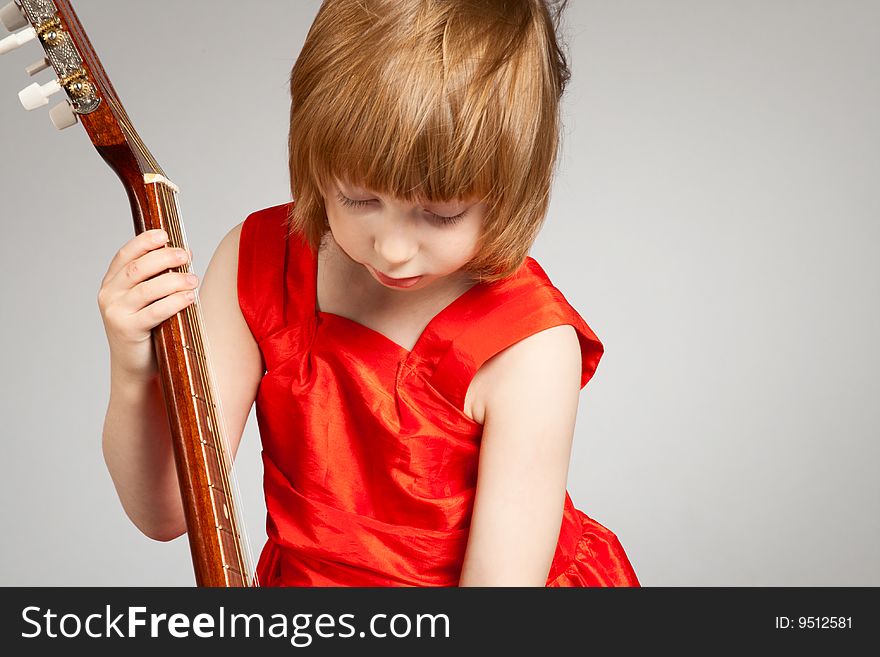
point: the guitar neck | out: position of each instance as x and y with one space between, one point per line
195 419
219 553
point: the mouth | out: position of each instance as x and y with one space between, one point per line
395 282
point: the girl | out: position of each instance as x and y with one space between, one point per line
416 374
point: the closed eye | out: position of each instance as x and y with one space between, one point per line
437 218
447 221
351 202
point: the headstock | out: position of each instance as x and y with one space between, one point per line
41 20
90 96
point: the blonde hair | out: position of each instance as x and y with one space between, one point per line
431 100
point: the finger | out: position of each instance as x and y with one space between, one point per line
157 312
135 248
147 266
153 289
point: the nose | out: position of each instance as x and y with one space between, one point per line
395 245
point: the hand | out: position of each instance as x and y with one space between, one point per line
137 294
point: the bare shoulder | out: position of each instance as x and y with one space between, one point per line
234 354
227 250
218 297
548 362
221 276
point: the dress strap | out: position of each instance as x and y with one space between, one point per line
269 265
529 305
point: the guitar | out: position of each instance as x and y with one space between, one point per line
220 553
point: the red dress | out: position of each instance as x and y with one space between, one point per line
370 463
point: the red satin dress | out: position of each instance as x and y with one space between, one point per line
370 462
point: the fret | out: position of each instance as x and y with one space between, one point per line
204 410
191 340
221 511
197 389
207 445
215 473
234 576
216 478
194 354
229 550
201 408
231 554
204 402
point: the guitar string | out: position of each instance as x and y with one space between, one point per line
132 135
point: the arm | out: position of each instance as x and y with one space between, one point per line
136 437
530 393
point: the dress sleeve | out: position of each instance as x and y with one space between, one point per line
531 311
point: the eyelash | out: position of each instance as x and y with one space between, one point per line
446 221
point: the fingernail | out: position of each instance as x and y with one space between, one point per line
161 237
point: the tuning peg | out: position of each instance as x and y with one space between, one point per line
62 115
37 66
13 17
17 40
37 95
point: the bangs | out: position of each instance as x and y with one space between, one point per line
395 132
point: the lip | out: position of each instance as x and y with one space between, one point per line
396 282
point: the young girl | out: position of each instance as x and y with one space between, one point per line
416 374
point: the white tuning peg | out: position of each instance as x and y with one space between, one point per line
17 40
13 17
38 66
37 95
62 115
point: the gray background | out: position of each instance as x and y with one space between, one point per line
714 220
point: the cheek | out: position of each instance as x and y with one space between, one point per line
342 227
459 247
466 239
